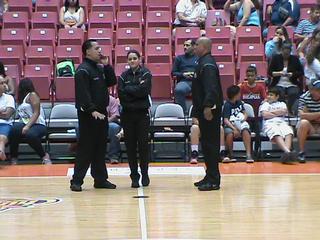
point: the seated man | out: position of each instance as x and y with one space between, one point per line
190 13
195 136
235 124
183 68
275 127
309 111
7 108
307 26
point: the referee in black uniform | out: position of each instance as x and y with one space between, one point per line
134 89
92 79
207 100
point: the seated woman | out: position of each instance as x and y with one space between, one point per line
9 82
286 72
72 15
7 108
31 124
247 14
274 45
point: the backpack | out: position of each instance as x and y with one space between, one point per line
65 68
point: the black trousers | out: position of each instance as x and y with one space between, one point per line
91 149
136 125
210 143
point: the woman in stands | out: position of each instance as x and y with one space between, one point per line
31 124
7 107
274 45
72 15
9 82
286 74
134 89
247 14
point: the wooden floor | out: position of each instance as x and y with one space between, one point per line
249 206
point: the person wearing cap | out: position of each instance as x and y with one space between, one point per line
183 69
309 111
286 74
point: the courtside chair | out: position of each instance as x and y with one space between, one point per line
169 124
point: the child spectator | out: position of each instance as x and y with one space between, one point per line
235 124
275 127
307 26
252 92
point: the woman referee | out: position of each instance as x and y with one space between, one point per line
134 88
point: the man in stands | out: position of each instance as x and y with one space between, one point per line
183 69
309 111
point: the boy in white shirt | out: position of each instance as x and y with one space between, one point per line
275 127
7 108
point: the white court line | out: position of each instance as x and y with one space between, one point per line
143 219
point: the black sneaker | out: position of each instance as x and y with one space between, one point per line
203 181
285 157
106 184
135 184
145 180
302 157
75 187
208 187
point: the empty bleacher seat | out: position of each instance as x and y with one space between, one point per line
101 20
104 36
11 36
227 76
248 34
159 19
39 55
13 72
12 55
158 53
42 37
41 76
70 36
219 35
159 5
129 36
130 5
44 20
64 88
48 5
16 20
223 52
248 52
69 52
21 6
157 35
129 19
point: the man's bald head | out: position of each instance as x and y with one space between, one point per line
203 46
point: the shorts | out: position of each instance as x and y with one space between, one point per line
5 129
314 128
277 129
239 125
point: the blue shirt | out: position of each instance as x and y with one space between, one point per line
184 63
305 27
254 18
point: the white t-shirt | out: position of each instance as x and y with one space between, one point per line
6 101
266 106
199 10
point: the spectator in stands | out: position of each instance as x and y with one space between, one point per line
251 92
281 13
134 88
190 13
31 124
183 69
247 14
307 26
286 74
235 124
7 108
309 111
309 48
72 15
274 45
195 136
9 82
275 127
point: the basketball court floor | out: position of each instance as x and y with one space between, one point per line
258 201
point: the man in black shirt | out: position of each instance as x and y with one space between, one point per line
207 103
92 98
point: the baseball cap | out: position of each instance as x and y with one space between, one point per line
315 84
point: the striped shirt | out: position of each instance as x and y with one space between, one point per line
306 102
305 27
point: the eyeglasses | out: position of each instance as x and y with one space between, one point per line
133 58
